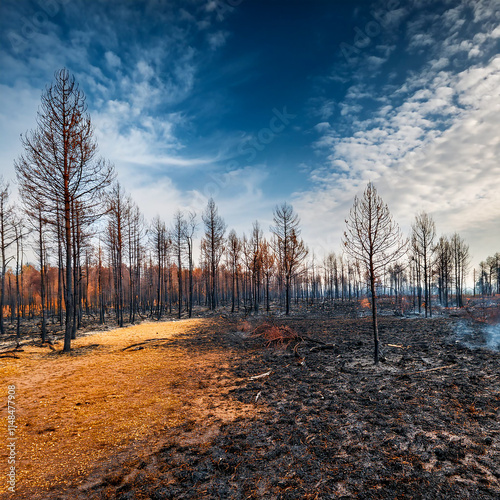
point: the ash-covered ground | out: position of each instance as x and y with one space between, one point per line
424 423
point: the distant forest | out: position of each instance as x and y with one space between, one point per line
98 259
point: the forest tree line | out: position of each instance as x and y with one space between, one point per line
98 258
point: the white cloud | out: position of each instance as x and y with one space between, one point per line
112 60
217 39
436 150
17 115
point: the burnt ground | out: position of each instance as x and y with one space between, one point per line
424 423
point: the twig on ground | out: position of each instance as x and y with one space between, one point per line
255 377
323 347
430 369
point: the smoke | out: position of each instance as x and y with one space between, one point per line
493 337
475 335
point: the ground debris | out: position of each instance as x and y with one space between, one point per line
343 428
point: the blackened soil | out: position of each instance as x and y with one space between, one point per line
424 423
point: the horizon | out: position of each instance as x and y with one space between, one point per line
218 99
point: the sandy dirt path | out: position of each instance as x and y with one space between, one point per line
76 411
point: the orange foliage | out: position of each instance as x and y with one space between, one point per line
278 335
365 303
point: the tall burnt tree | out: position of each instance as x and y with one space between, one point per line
189 231
7 238
213 246
461 260
444 269
289 249
161 244
233 260
267 260
178 233
37 218
135 233
373 238
256 262
117 215
330 266
59 166
247 259
496 263
19 232
422 240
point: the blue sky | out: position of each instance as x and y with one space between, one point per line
257 102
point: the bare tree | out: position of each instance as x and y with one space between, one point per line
444 269
496 260
135 232
7 238
20 232
189 231
373 238
117 214
161 246
290 250
36 217
247 260
461 260
215 227
256 262
330 265
234 255
178 233
422 240
59 166
267 261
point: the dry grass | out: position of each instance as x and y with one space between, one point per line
277 335
76 410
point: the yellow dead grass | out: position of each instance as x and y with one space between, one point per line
74 411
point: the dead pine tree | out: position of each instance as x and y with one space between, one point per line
117 214
461 260
422 242
160 243
20 232
256 262
374 239
7 239
268 261
61 169
444 269
213 241
189 231
290 250
178 233
135 232
233 263
34 210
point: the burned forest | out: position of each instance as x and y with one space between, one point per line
239 264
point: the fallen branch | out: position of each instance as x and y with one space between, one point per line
255 377
431 369
396 345
10 356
